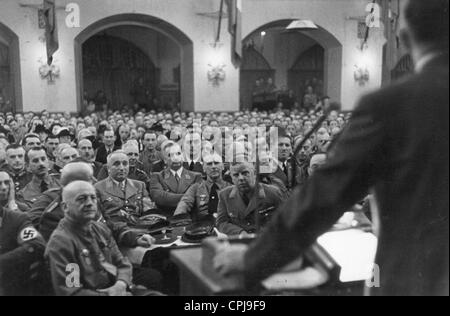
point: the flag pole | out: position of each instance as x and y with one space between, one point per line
220 21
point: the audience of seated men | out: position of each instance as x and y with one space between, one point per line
168 186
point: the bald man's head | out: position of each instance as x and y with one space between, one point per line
80 202
76 171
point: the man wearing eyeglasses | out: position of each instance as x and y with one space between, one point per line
202 199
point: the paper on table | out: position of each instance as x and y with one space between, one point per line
353 250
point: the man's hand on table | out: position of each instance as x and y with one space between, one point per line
145 241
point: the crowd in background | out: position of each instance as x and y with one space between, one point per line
175 165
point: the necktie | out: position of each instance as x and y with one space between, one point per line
177 177
192 166
44 186
213 199
285 168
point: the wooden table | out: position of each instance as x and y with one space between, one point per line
194 282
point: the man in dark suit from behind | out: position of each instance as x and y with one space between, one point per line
396 143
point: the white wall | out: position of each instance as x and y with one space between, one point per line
183 14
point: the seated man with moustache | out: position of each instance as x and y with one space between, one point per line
42 181
168 187
238 203
202 198
20 243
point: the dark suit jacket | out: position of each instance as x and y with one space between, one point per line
289 180
102 155
165 191
397 144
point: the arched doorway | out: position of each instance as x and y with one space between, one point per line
10 86
300 56
308 70
120 70
254 67
148 50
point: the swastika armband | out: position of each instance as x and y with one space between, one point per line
27 234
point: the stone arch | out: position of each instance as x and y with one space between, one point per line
333 52
10 68
179 37
254 66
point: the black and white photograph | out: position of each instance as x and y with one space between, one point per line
225 153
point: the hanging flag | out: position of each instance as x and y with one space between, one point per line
234 28
389 17
51 31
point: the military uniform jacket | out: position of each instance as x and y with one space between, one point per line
20 179
165 190
123 207
93 250
234 217
20 246
196 199
32 191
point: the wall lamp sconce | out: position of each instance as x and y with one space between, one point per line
361 75
216 74
49 72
